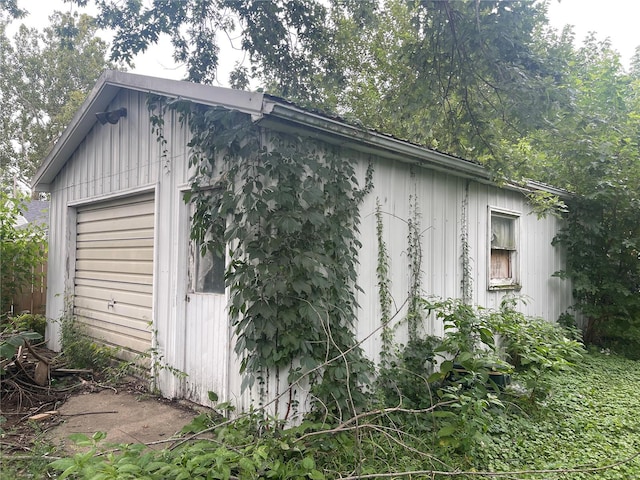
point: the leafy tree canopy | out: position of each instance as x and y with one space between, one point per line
44 77
473 64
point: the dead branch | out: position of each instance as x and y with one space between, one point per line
584 469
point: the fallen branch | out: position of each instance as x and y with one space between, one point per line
495 474
383 411
86 413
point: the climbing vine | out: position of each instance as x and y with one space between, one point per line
465 256
287 208
414 255
384 288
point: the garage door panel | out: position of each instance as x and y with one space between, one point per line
84 244
133 234
135 267
109 321
117 339
113 295
139 280
115 212
116 297
139 287
115 253
136 313
129 223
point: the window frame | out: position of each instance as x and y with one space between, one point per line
195 259
512 282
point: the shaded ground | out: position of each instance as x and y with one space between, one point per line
126 417
65 401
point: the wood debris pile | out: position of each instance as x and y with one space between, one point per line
32 379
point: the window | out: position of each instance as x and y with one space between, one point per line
503 261
209 271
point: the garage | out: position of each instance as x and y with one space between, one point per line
113 287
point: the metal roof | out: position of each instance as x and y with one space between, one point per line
270 111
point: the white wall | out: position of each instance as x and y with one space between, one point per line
440 201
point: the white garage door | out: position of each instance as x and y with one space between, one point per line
114 272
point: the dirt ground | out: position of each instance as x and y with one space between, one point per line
124 416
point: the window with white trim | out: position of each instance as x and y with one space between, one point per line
503 251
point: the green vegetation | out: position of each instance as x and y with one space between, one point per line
34 463
587 422
589 418
293 262
22 250
81 351
44 78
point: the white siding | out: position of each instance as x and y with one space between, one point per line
113 161
192 332
440 202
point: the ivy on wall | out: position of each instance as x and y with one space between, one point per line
287 208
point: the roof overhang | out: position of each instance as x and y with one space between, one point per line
269 111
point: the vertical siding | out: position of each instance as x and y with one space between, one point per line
440 199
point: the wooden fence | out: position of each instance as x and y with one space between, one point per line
33 299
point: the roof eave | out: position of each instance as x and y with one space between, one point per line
381 144
361 139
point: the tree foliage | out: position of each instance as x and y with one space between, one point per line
485 69
22 250
593 149
44 78
9 9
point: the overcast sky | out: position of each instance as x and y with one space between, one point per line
616 19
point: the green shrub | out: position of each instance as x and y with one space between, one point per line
28 322
533 346
250 447
22 250
472 367
80 350
404 378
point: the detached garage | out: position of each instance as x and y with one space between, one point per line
121 258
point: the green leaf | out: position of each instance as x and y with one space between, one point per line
308 463
7 350
446 366
16 340
447 431
62 463
31 335
464 357
316 475
80 439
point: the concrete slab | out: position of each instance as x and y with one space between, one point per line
125 417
